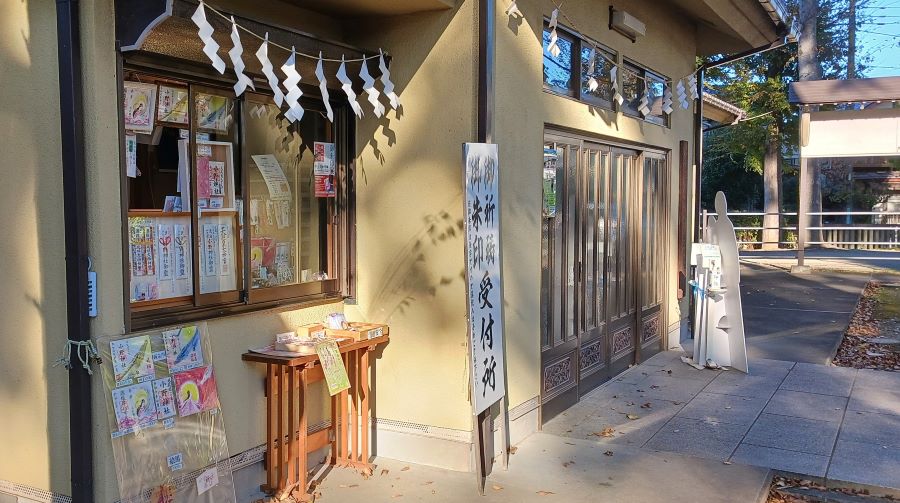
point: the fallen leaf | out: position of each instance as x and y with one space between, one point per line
428 483
646 405
397 496
544 493
404 469
726 462
628 404
568 443
632 416
513 449
497 487
669 371
608 453
385 471
605 432
654 386
568 464
727 406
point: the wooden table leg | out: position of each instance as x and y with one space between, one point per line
364 408
342 412
270 434
292 447
334 429
354 409
280 479
304 477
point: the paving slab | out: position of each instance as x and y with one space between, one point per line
820 379
869 378
864 463
740 384
731 409
692 437
871 428
776 369
546 468
780 459
807 405
793 434
874 399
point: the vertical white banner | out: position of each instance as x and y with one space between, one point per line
483 273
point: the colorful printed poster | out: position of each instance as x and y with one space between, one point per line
333 366
262 257
271 171
216 174
163 494
183 351
324 179
139 106
164 395
132 359
212 112
203 188
196 391
210 249
172 105
324 152
134 406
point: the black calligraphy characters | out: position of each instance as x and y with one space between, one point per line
490 375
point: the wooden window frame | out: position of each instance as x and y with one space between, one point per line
630 65
577 78
244 300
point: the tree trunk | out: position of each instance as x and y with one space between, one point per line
808 69
851 40
771 189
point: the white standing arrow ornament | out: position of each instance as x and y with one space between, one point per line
553 47
692 81
210 47
614 78
268 70
388 86
369 88
295 111
513 10
237 50
667 100
347 86
682 94
323 88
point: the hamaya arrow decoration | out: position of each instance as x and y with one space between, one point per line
295 111
243 81
369 88
268 70
323 88
388 86
347 86
210 47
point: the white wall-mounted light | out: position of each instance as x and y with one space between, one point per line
626 24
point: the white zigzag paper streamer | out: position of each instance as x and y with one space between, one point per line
513 10
295 111
644 104
667 100
553 47
369 88
692 80
347 86
210 47
682 94
263 56
388 86
592 67
323 88
236 51
613 77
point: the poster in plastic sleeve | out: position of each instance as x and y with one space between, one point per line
324 169
483 279
164 416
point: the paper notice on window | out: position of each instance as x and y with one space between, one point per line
271 171
207 480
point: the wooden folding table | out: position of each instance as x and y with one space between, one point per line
287 440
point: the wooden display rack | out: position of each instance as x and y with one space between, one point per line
287 440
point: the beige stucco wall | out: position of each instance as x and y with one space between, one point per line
523 110
33 396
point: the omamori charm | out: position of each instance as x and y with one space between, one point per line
295 111
237 50
210 47
263 56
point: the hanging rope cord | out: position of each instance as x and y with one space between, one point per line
230 19
596 50
85 351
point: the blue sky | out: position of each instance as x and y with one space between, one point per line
881 37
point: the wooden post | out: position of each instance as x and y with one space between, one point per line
280 457
364 387
292 451
270 434
304 427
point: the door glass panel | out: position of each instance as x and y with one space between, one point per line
613 258
571 210
589 249
549 293
602 173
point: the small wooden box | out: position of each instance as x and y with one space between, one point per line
311 331
360 331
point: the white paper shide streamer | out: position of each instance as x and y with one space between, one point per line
592 67
263 56
613 77
369 88
388 86
692 81
667 100
323 88
210 47
237 50
553 47
644 104
513 10
347 86
295 111
682 94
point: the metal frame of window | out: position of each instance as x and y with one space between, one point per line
343 216
665 119
579 43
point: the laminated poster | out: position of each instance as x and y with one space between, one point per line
196 391
183 349
181 252
164 394
210 249
203 187
172 105
132 360
324 152
139 106
271 171
324 179
224 249
134 407
131 168
216 176
333 366
166 249
212 112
